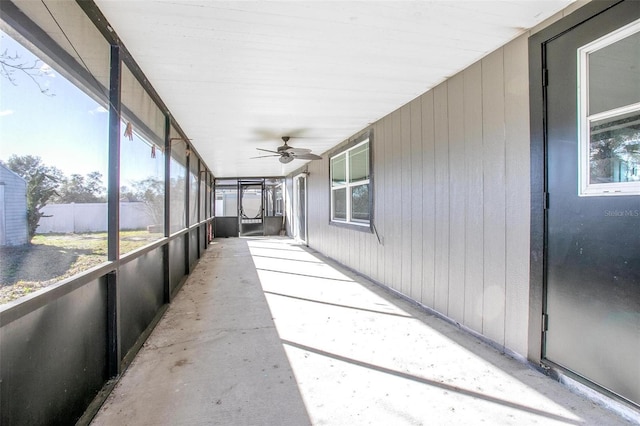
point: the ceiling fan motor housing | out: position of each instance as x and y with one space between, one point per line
284 147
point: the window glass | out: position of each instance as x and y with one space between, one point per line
614 75
359 163
54 165
615 149
177 182
141 167
360 203
338 170
340 204
609 108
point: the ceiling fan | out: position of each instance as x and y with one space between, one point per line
287 153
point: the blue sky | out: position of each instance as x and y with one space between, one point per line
67 130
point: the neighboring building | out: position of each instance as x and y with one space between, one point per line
13 209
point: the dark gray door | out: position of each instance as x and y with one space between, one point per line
592 303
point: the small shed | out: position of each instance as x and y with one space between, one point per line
13 209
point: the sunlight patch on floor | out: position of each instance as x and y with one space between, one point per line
360 358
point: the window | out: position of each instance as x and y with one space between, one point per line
351 185
609 114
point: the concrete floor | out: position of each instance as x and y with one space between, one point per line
266 332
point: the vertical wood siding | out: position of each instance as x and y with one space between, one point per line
451 200
517 191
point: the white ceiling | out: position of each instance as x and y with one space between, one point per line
238 75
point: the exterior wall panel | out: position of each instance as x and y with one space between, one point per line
379 221
395 167
406 195
141 285
494 195
193 247
474 219
457 196
517 192
176 263
428 201
390 209
451 200
416 201
442 240
53 360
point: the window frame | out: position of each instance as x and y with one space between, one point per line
344 150
585 187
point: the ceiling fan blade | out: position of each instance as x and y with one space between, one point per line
265 156
297 151
307 156
266 150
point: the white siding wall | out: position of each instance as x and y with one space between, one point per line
13 209
451 188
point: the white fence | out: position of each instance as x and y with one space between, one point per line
91 217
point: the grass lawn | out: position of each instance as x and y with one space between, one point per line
52 257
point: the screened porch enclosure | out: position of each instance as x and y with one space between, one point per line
116 208
452 168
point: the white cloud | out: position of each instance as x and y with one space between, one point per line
98 110
46 71
6 112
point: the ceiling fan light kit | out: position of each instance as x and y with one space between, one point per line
285 159
287 153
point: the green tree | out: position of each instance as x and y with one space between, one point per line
81 189
42 185
150 191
